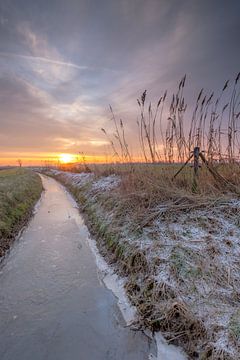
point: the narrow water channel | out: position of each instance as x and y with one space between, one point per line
52 304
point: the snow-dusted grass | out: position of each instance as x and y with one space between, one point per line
72 178
181 255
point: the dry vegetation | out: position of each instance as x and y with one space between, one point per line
166 134
177 240
179 251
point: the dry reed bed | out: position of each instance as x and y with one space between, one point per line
179 251
169 130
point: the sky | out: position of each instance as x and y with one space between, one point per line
63 62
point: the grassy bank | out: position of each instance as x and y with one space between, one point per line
19 191
179 252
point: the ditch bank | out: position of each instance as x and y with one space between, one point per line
181 267
20 189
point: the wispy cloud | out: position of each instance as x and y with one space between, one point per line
62 63
44 60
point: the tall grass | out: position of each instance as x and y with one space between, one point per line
168 133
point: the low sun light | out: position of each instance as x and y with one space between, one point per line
67 158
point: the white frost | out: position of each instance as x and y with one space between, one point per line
116 284
165 351
106 183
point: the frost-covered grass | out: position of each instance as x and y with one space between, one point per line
19 191
181 253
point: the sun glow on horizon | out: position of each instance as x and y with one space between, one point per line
67 158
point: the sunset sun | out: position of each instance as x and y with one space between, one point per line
67 158
119 179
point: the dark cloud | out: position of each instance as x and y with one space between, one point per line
62 63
